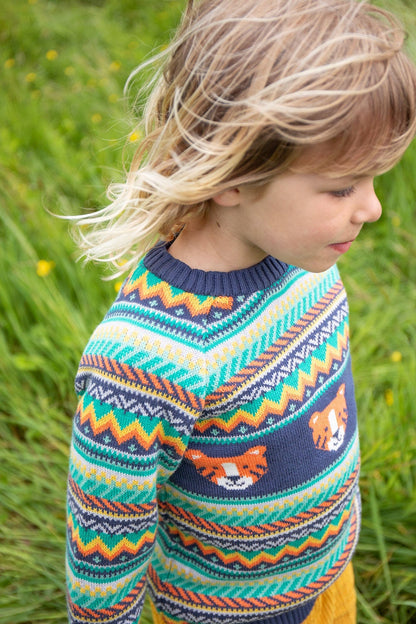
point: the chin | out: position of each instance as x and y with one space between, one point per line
316 268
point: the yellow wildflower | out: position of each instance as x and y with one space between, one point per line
113 98
69 71
396 357
389 397
117 286
396 221
51 55
44 267
31 77
135 136
96 118
9 63
115 66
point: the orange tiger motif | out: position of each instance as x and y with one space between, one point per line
328 427
231 473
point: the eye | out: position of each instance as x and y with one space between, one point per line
346 192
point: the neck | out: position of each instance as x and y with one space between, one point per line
206 245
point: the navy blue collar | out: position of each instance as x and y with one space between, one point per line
215 283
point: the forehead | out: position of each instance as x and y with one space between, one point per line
337 159
371 144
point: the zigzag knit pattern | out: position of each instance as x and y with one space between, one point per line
215 457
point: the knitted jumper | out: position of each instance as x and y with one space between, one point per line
215 456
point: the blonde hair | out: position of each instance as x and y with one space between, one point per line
245 88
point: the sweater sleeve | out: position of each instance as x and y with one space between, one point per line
139 397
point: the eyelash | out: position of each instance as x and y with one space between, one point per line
347 192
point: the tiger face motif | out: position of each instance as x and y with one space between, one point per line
329 426
232 473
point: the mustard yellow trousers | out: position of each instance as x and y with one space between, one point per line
337 605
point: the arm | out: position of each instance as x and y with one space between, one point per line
130 431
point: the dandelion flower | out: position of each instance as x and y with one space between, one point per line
115 66
9 63
389 397
117 286
44 267
69 71
113 98
51 55
31 77
96 118
396 357
396 221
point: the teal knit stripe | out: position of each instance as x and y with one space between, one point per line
317 573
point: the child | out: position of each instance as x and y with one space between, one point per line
215 458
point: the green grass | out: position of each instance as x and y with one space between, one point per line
64 125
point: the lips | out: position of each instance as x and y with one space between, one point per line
342 247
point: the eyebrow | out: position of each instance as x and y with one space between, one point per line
347 179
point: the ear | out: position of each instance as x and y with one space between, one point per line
257 450
194 455
341 390
230 197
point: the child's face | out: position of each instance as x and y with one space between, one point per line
304 219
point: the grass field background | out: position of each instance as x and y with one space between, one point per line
63 126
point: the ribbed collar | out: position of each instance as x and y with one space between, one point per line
215 283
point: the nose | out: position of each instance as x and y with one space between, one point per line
368 207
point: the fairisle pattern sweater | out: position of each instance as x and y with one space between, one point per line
214 457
